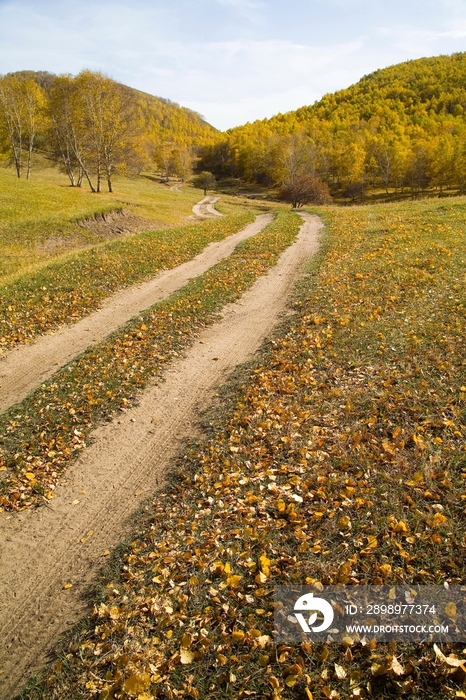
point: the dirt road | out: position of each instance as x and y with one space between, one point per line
24 368
43 550
206 207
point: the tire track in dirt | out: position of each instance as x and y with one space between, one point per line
206 207
43 550
24 368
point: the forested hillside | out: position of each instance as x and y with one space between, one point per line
398 130
92 127
401 127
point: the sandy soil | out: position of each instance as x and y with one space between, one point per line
116 223
43 550
107 226
206 207
24 368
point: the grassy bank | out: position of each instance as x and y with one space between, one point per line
338 457
42 434
38 218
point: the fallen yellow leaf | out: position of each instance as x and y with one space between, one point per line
290 681
237 636
386 569
186 657
439 519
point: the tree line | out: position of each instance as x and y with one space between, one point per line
399 128
93 127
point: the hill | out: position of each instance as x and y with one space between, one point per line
397 128
168 117
93 126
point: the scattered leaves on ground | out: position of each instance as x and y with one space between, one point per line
330 461
67 290
40 436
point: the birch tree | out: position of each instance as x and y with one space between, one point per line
65 140
21 100
106 119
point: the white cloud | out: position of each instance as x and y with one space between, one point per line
255 68
245 66
249 10
457 5
241 5
408 33
418 42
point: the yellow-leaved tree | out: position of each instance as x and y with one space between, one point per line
21 101
105 122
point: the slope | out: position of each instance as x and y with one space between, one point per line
399 128
160 118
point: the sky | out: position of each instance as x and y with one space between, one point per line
233 61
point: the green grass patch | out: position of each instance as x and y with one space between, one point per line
43 433
38 216
67 290
357 406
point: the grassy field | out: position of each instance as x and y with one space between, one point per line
338 456
65 290
38 217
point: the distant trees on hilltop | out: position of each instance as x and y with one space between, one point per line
94 127
401 127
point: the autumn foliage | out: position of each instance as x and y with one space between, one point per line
400 129
93 127
337 457
304 189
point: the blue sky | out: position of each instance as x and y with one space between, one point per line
231 60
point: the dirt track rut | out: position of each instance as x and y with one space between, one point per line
206 207
24 368
43 550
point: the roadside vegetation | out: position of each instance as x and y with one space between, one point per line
338 456
45 432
